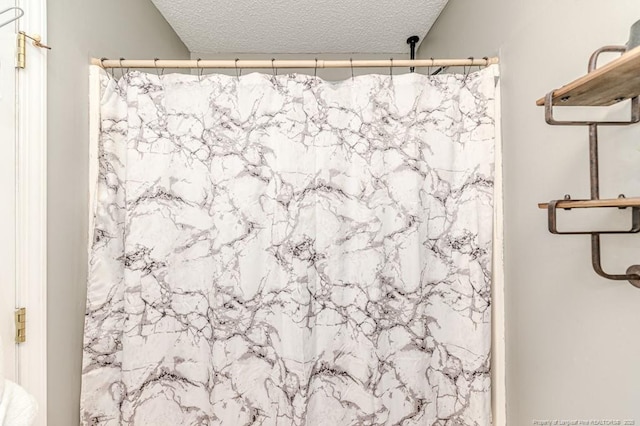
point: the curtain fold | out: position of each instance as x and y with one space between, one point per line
281 250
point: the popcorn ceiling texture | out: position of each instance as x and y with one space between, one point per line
288 26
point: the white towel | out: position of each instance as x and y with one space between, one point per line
17 407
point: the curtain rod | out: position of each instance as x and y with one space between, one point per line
279 63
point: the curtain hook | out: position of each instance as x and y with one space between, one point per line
121 68
236 65
155 60
273 68
391 68
105 70
486 64
199 70
315 70
467 72
351 61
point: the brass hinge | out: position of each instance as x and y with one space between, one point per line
21 325
22 50
22 47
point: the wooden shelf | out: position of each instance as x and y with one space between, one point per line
613 82
585 204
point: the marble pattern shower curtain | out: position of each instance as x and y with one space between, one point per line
289 251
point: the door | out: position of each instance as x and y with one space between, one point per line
8 191
23 195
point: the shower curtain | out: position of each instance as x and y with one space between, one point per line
282 250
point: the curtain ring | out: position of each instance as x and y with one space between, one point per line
351 61
105 70
237 73
122 68
467 72
470 65
199 70
486 58
315 70
155 60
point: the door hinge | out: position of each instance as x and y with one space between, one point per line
22 47
21 325
22 50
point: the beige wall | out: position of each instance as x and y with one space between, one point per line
572 347
79 29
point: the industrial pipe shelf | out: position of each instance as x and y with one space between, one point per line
612 83
620 203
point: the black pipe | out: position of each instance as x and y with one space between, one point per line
412 41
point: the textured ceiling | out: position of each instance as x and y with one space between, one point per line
299 26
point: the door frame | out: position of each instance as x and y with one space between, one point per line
31 206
